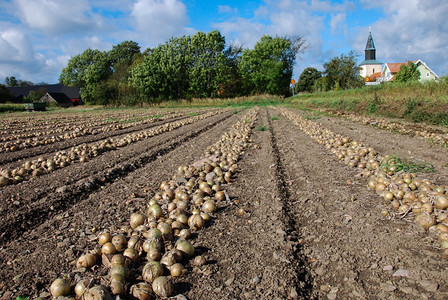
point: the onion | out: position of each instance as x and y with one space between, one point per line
104 238
86 261
209 206
441 202
185 247
131 253
98 292
164 228
117 287
108 248
118 260
155 210
185 234
162 286
177 270
122 271
142 291
199 261
60 287
425 220
81 286
168 259
137 220
120 242
153 233
151 271
195 221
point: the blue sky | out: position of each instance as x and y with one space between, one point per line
38 37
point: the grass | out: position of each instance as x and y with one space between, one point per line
273 118
10 107
259 100
413 101
407 165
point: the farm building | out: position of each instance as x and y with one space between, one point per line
60 99
391 69
72 93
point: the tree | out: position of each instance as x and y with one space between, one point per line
35 96
407 72
307 80
342 72
86 71
268 67
11 81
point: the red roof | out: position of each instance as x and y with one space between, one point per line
394 67
374 76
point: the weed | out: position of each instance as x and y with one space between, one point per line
273 118
192 114
407 165
22 298
262 128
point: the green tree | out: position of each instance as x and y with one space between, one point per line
268 67
307 80
86 71
35 96
11 81
407 72
124 53
342 72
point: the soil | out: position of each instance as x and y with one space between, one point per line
299 224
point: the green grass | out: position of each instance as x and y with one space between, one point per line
273 118
407 165
10 107
413 101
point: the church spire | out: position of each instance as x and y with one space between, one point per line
370 52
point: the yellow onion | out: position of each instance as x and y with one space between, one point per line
60 287
185 247
120 270
131 253
86 261
117 287
153 233
199 261
142 291
118 260
195 221
120 242
104 238
151 271
162 286
81 286
98 292
177 270
108 248
155 210
137 220
185 234
425 220
441 202
209 206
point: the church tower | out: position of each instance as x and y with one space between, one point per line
370 65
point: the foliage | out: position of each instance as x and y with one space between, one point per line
342 72
307 80
12 81
407 72
268 67
5 94
407 165
35 96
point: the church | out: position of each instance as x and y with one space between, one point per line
375 72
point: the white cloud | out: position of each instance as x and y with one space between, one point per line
410 29
158 20
58 16
338 23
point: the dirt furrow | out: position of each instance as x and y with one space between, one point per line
53 245
353 250
56 197
251 246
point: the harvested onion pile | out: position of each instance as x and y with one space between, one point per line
158 239
404 191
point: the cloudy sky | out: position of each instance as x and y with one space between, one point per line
38 37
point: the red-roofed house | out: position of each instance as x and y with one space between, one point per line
390 69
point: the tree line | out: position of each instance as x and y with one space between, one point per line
198 66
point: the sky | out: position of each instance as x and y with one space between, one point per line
38 37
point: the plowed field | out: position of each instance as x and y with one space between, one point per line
296 223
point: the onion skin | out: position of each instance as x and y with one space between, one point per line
60 287
162 286
142 291
151 271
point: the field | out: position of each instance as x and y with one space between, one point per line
303 204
